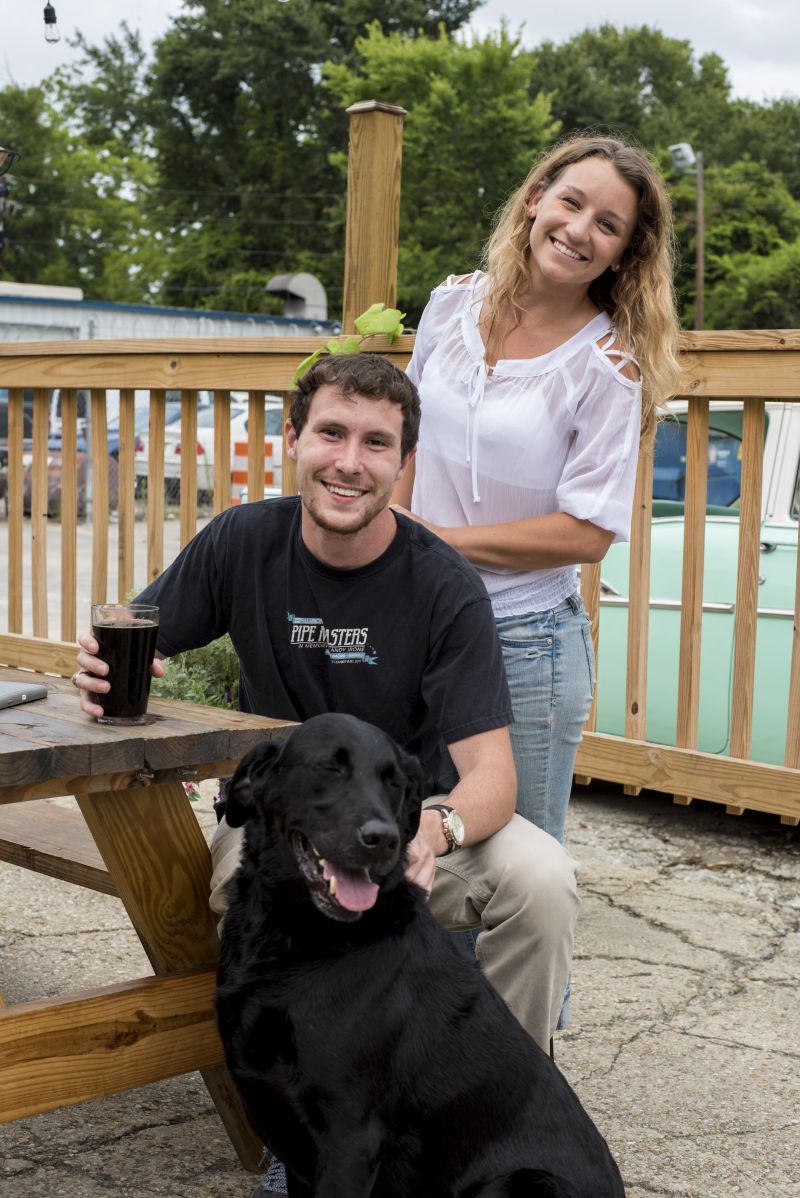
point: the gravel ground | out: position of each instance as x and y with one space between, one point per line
684 1044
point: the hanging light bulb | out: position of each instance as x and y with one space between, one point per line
7 159
51 31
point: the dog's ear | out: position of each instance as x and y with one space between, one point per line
419 785
248 780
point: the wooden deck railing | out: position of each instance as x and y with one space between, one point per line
754 367
254 366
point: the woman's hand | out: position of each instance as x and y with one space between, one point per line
434 528
534 543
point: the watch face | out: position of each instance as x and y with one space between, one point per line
456 827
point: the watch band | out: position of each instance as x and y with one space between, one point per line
453 842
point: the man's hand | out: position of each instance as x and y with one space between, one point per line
428 844
91 675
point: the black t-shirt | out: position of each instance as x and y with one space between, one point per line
407 642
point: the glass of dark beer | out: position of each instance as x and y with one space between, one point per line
126 634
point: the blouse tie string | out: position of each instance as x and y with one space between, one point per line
476 383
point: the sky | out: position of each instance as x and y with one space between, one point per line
759 40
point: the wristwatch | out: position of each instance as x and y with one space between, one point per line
452 825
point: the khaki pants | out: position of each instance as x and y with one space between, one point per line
517 887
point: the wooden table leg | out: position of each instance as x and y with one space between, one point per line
157 856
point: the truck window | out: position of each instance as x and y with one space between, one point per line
27 414
724 460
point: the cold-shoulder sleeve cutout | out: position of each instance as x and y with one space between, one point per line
620 361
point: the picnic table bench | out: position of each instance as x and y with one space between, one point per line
133 834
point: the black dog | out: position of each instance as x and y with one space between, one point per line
371 1054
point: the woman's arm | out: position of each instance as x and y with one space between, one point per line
536 543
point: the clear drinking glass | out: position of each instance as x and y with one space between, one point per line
126 634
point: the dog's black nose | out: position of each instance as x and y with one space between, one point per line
379 834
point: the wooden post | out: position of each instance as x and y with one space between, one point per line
373 208
700 244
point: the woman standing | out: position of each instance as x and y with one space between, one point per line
538 378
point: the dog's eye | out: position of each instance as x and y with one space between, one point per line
329 767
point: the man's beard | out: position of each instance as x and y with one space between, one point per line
370 511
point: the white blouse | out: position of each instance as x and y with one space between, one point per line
556 433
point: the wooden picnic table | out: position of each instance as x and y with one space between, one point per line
128 782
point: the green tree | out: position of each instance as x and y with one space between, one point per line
345 20
637 81
755 292
471 134
749 214
244 132
765 133
104 97
193 177
71 218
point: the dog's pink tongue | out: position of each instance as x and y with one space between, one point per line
353 889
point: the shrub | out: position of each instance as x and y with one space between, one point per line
208 675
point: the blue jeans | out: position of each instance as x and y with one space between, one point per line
549 661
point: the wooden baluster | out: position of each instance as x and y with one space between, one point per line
288 469
255 445
100 505
14 506
694 532
39 504
188 487
69 515
744 644
639 605
792 757
155 486
222 451
126 492
590 593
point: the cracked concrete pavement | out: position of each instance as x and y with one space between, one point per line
685 1036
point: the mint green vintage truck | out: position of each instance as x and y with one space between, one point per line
777 579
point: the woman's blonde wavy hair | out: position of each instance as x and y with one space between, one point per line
639 297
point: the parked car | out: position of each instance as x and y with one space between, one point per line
172 438
27 436
141 425
777 574
204 446
54 471
273 448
